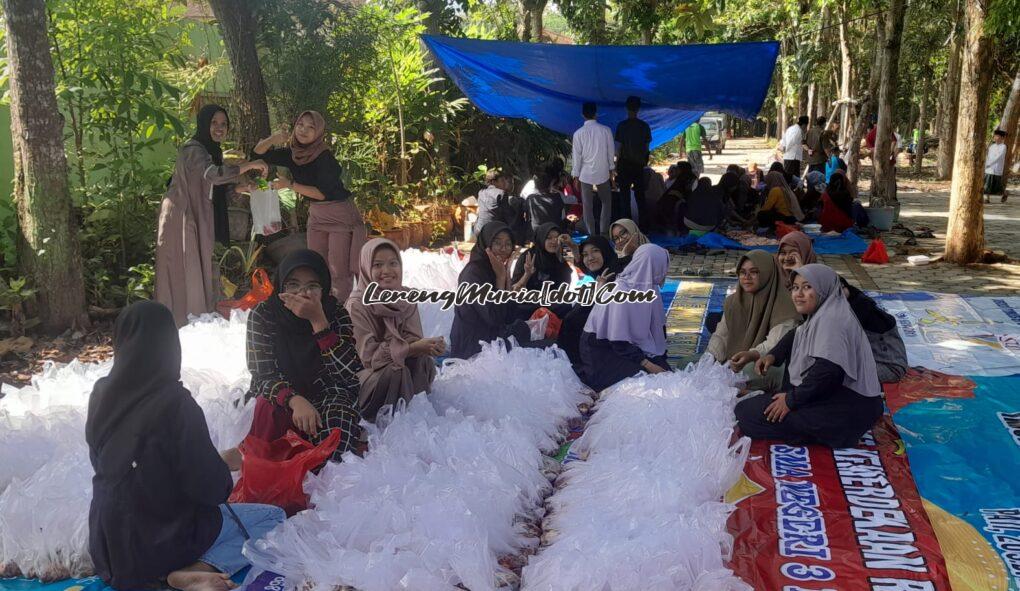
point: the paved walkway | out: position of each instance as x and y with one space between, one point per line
924 203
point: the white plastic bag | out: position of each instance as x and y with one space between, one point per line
537 328
265 212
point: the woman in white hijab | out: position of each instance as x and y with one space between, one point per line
832 395
622 339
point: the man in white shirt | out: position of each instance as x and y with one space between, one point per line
995 166
792 147
593 165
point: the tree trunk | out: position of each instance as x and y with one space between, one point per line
949 105
965 234
810 112
865 108
537 25
646 35
237 25
1010 123
49 254
883 188
921 123
844 79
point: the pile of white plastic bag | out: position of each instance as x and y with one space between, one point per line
45 473
451 484
642 509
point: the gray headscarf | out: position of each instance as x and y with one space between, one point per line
833 333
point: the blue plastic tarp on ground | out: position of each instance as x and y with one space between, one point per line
846 243
548 83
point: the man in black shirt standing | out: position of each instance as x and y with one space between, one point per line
633 137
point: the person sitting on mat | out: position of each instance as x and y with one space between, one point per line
598 261
627 238
886 343
831 394
795 251
478 322
301 355
837 213
622 339
399 361
781 205
158 514
755 318
705 209
543 262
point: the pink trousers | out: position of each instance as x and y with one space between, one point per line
336 230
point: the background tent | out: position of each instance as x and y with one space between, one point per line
548 83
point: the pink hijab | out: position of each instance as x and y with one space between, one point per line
394 315
641 324
802 242
305 153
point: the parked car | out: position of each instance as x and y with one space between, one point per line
715 131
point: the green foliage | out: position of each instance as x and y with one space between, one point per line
125 86
13 295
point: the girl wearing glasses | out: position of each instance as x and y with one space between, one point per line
304 367
755 317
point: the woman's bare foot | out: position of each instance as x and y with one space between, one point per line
193 580
232 457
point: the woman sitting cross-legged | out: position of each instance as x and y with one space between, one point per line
399 362
598 261
478 322
622 339
158 514
755 318
832 395
304 367
541 263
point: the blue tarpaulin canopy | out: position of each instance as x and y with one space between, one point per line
548 83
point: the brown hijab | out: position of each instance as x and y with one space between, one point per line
802 242
394 316
776 179
303 154
750 316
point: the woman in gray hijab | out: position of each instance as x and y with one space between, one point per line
831 394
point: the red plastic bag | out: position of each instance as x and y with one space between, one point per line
552 329
261 289
876 253
782 229
272 472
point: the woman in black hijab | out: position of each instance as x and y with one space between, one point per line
540 263
221 219
597 260
159 488
301 354
475 322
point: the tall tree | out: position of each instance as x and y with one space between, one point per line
883 187
845 73
922 124
949 102
965 234
237 25
532 28
865 107
1010 123
49 252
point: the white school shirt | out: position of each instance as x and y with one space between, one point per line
793 143
528 189
995 161
594 150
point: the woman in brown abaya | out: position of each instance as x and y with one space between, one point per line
185 275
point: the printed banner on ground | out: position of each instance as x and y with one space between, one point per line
973 336
810 518
964 450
